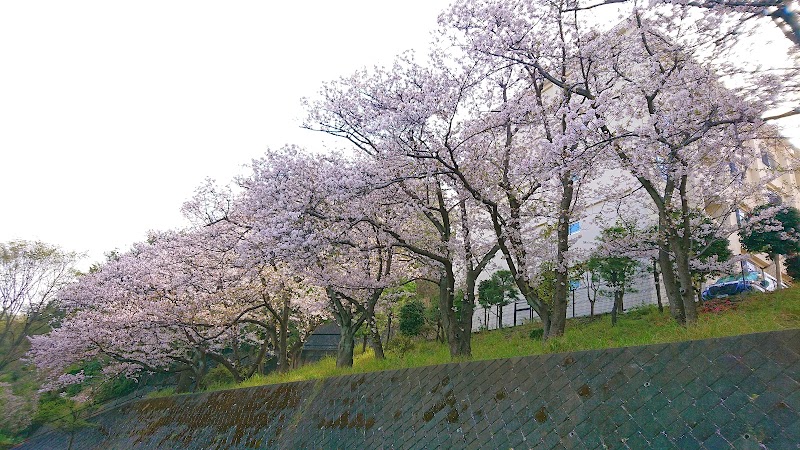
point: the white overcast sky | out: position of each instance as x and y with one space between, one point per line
111 113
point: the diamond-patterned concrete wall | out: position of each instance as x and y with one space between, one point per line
737 392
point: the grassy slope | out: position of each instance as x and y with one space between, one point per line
763 312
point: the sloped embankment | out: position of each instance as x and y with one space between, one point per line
736 391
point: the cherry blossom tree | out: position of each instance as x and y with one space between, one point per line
638 80
175 304
389 115
320 215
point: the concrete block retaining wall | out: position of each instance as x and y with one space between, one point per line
735 392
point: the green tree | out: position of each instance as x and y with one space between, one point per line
499 290
616 271
412 318
709 249
775 236
792 264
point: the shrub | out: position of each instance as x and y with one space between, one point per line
412 318
115 388
218 376
401 345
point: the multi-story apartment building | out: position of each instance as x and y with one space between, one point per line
776 160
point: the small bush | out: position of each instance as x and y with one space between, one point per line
412 318
52 408
401 345
167 392
218 376
537 333
115 388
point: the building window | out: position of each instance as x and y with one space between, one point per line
574 227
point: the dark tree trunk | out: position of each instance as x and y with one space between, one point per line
684 279
658 286
283 334
230 367
618 306
344 353
559 308
558 320
375 339
272 332
545 317
200 372
671 284
447 312
465 316
615 308
184 383
348 328
499 316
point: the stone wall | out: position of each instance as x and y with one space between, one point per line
736 392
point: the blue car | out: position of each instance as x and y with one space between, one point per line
736 284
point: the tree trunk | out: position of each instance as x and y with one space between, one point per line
237 376
676 308
344 318
375 339
344 353
273 336
184 381
447 313
614 310
283 332
559 308
465 316
499 316
685 280
544 315
559 318
200 373
776 258
658 287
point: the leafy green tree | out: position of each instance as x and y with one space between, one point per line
499 290
616 271
775 236
792 264
412 318
712 251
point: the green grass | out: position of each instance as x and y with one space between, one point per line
641 326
